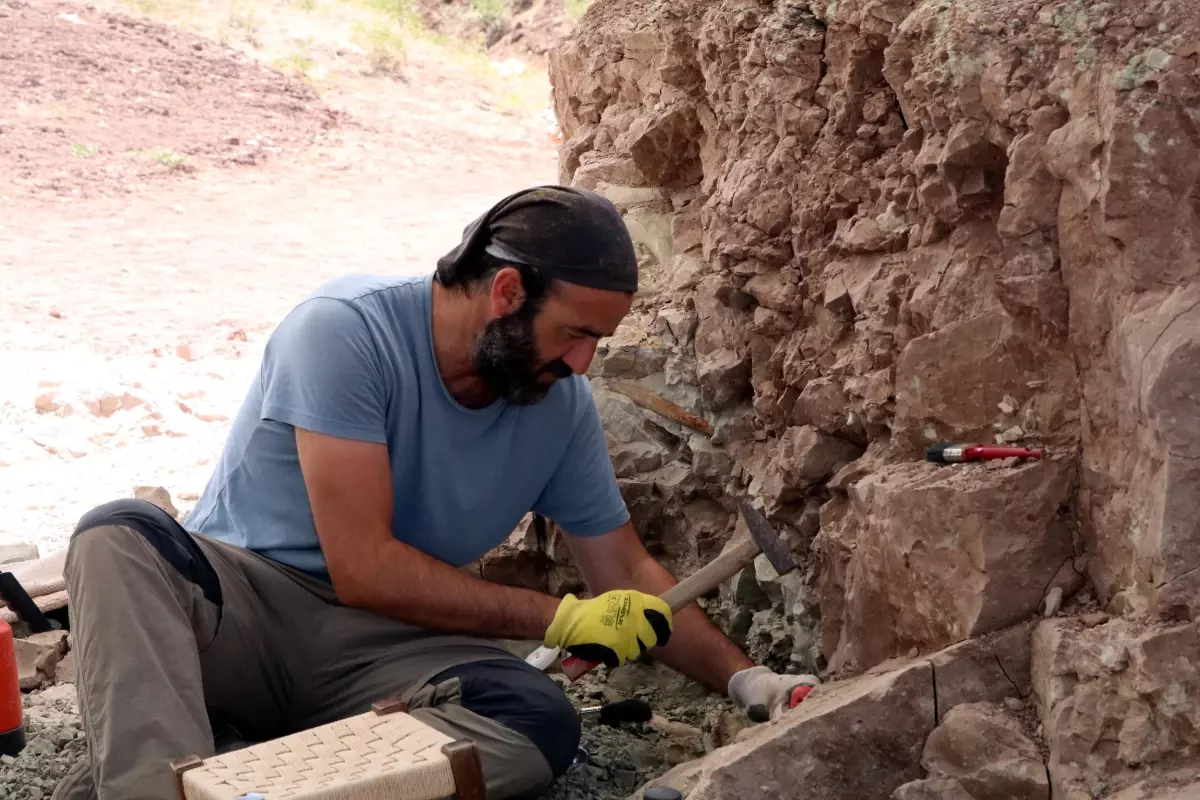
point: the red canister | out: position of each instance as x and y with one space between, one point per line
12 721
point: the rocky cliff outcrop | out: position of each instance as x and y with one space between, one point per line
868 226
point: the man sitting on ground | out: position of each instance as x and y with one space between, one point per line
398 428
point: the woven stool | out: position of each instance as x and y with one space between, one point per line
384 754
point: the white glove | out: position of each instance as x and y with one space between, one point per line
764 695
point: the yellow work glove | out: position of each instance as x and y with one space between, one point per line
610 629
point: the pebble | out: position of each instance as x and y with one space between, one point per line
1053 602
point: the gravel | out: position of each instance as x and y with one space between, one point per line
688 722
54 740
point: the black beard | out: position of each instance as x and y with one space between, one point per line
506 358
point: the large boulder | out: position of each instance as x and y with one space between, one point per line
1117 700
861 738
983 747
922 556
864 736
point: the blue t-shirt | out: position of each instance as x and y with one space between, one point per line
355 360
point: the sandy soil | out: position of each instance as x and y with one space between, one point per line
139 291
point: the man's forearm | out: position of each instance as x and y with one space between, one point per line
698 648
402 582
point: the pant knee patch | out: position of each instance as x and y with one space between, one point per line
164 534
525 700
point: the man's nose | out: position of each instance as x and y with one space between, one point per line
579 356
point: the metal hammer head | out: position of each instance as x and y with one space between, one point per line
776 549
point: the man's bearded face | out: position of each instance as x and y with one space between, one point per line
506 357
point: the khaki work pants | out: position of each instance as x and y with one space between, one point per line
174 631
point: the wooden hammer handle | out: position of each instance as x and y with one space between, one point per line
712 574
681 595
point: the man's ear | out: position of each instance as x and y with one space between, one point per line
507 292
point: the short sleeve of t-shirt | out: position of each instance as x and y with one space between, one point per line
321 372
582 496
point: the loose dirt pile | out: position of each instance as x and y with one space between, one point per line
505 28
97 103
142 305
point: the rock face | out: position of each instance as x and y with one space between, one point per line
1116 700
932 789
530 559
864 737
870 226
812 747
982 747
925 556
873 225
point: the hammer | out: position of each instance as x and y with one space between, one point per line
762 539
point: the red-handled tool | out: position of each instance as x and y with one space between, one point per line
958 453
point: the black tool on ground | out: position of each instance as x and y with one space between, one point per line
16 598
633 710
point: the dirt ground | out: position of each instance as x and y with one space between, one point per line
174 175
166 198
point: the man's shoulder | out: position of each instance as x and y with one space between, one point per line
387 308
359 288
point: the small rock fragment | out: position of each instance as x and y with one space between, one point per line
65 672
1013 434
932 789
1053 602
38 656
12 553
158 496
983 747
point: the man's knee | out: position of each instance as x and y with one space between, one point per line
127 531
524 700
98 544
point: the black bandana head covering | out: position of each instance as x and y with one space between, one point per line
571 234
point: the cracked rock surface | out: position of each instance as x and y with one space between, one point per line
870 226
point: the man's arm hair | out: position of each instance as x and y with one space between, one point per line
350 492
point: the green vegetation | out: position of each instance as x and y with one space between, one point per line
385 44
329 42
297 63
164 156
401 11
84 150
575 8
489 11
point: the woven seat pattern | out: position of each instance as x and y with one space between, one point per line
366 757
